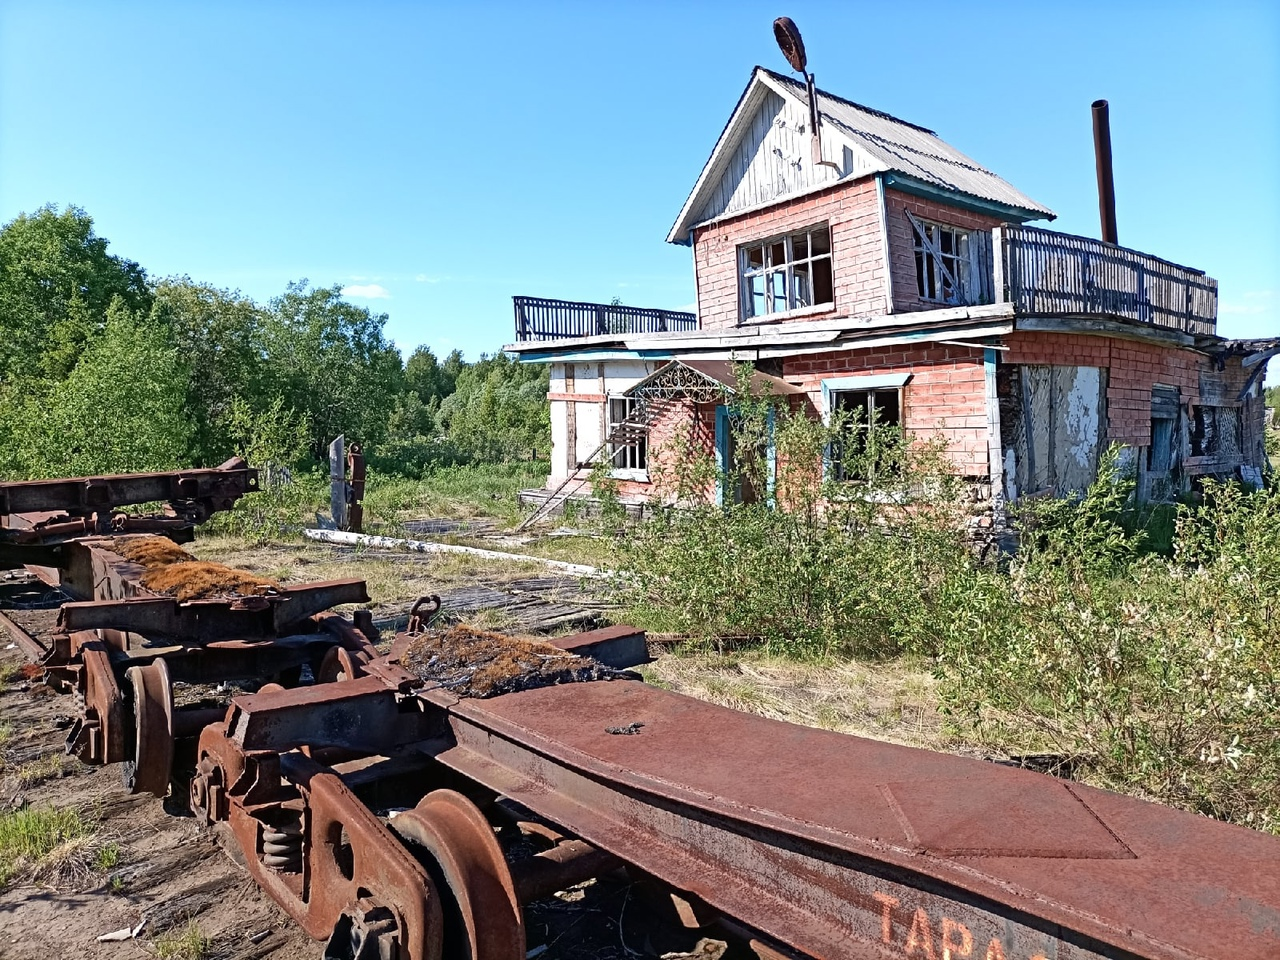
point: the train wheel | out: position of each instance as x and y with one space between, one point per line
453 840
149 770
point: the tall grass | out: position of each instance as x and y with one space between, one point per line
455 491
1140 643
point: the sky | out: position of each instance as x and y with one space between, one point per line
436 159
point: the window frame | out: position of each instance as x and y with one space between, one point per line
931 271
869 386
767 270
636 454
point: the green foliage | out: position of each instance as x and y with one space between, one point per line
330 361
219 334
818 573
499 410
120 410
56 283
1159 674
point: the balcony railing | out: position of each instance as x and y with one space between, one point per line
538 319
1044 273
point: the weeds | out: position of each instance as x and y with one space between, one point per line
1139 642
188 943
33 838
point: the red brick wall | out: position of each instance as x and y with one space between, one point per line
906 294
945 397
1134 368
857 264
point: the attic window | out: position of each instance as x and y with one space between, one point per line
942 261
785 273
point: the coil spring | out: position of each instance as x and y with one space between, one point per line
282 844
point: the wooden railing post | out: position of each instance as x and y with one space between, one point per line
998 260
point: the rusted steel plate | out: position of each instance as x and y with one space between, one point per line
32 648
824 841
362 714
619 647
204 621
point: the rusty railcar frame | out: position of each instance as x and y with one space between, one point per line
804 842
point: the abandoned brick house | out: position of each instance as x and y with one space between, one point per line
899 276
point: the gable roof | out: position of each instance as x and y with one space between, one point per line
872 142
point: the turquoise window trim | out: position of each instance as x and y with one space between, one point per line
886 381
722 452
882 381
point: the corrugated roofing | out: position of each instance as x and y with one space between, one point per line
912 150
891 146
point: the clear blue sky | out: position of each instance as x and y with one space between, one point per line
439 159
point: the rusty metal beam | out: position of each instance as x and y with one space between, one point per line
807 841
219 488
203 621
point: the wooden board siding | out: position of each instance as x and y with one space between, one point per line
853 212
773 160
1058 428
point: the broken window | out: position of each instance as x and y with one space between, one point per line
942 261
786 273
864 413
629 445
1216 434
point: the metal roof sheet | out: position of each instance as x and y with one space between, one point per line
913 150
891 145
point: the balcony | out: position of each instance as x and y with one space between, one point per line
1048 274
538 319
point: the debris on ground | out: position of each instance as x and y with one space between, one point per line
478 663
176 573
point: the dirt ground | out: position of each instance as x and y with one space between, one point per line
168 871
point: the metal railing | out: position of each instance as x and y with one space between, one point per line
1044 273
539 319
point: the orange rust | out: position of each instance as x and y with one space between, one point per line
478 663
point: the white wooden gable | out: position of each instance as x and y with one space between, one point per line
764 155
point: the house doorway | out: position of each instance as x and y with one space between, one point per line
746 475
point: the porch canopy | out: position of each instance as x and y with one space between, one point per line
704 381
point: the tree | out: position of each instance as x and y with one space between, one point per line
499 410
329 361
219 334
120 411
57 282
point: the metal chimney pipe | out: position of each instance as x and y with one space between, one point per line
1106 178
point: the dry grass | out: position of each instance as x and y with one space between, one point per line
173 571
478 663
151 552
51 766
895 701
392 577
